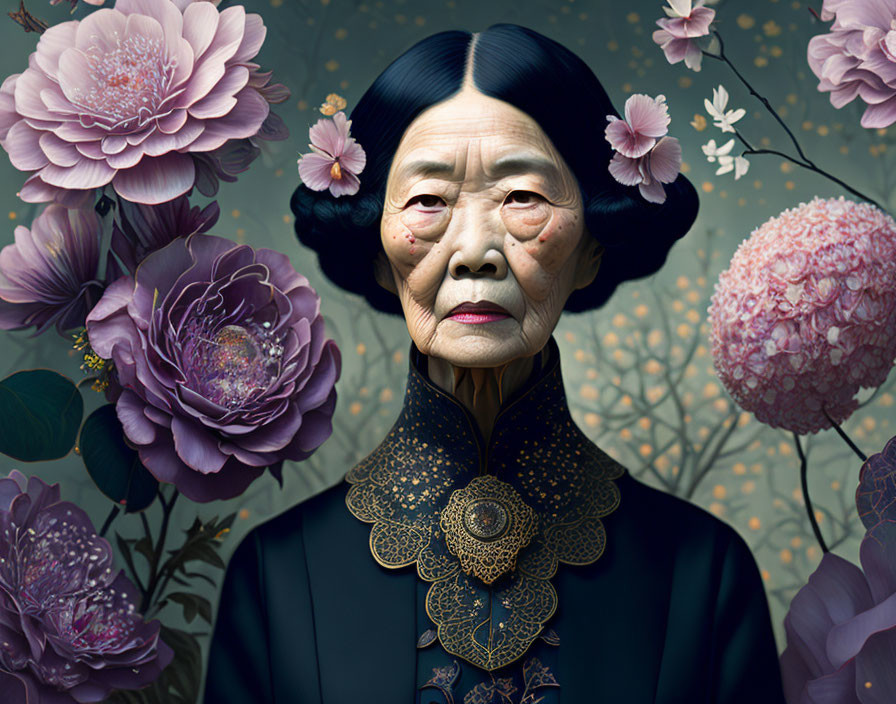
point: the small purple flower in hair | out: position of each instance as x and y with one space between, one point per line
336 158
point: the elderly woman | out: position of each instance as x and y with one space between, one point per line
487 551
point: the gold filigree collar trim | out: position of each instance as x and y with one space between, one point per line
431 488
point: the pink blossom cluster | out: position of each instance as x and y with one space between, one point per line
804 316
857 58
685 22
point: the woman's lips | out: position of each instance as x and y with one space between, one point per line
478 313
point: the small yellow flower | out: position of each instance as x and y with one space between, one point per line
334 104
699 122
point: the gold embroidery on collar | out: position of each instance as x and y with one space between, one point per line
404 487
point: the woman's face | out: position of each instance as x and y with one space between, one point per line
483 228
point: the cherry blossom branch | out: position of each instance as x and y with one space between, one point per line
804 161
804 482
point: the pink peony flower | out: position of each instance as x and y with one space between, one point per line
858 57
126 95
685 22
644 156
804 315
336 158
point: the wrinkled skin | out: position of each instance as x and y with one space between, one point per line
514 236
482 229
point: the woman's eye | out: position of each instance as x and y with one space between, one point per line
523 198
426 201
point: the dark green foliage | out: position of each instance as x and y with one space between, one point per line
40 412
114 467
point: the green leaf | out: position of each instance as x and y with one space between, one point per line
193 604
114 467
182 675
40 412
206 553
199 575
125 551
145 548
201 545
185 671
227 523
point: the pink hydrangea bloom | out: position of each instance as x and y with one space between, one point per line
804 315
644 157
126 95
336 158
858 57
684 24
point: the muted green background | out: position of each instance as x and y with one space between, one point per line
676 430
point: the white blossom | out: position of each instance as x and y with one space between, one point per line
713 152
727 163
716 109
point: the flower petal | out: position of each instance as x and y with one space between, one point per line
314 170
665 160
196 446
625 170
138 428
156 179
646 115
874 664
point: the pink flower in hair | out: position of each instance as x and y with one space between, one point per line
336 158
645 156
646 120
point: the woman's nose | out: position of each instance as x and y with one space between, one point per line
478 252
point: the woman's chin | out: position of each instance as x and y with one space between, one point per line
481 345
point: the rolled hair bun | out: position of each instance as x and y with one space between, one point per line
545 80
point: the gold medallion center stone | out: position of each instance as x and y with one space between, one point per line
485 519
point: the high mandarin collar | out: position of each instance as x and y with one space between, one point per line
553 484
528 416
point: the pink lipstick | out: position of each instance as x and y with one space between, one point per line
478 313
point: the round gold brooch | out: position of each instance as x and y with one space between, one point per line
486 524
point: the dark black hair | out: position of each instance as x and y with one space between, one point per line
543 79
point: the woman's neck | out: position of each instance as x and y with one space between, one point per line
481 390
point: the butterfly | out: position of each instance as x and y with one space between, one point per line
334 104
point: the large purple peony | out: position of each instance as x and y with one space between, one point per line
69 631
224 361
127 95
142 229
841 627
49 276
